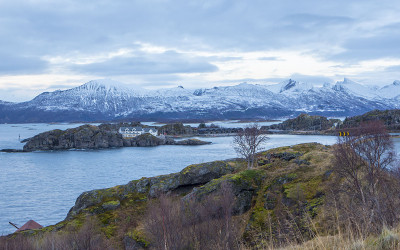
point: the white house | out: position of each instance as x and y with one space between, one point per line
130 132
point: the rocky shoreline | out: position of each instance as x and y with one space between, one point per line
94 137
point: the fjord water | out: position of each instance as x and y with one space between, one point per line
43 186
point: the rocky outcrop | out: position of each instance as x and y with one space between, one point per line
192 142
191 176
391 119
176 129
96 137
11 150
244 186
83 137
305 122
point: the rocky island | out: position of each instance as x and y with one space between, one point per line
97 137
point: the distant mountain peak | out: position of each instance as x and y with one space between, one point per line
290 84
327 85
103 83
346 81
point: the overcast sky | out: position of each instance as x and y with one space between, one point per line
47 45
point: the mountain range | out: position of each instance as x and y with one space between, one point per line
107 100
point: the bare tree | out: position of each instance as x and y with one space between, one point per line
248 142
362 161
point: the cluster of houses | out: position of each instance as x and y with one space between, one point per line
130 132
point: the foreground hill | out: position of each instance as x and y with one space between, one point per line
290 199
296 177
109 100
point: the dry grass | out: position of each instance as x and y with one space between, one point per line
388 239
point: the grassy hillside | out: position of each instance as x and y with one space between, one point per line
391 119
286 201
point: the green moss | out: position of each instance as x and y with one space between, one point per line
139 237
261 218
109 231
253 177
308 188
314 205
211 186
212 165
78 221
306 147
112 203
134 198
106 217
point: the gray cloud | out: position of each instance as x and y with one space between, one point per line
377 44
311 79
169 62
393 69
20 64
269 58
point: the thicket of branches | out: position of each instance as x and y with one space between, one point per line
367 195
191 224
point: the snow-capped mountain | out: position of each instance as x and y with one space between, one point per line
390 91
289 86
110 100
355 88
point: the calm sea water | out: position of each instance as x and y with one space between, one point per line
43 186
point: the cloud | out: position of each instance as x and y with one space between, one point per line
169 62
20 64
393 68
314 79
378 44
268 58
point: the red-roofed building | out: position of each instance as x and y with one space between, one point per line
30 225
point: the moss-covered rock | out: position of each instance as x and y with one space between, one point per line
192 142
190 176
244 185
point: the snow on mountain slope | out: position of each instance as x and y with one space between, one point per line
107 99
355 88
390 91
289 87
